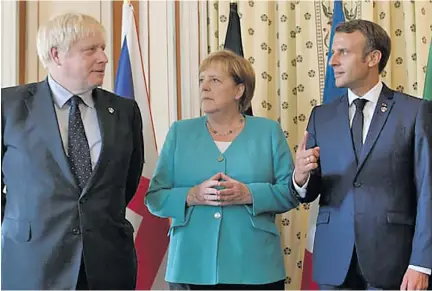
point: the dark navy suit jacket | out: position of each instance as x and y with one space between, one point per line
381 204
49 225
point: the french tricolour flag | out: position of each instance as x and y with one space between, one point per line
330 93
150 236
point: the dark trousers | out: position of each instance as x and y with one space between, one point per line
279 285
82 283
354 279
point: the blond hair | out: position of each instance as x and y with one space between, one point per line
64 30
239 69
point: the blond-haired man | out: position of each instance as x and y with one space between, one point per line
72 156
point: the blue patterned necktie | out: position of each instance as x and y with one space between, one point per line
357 126
78 147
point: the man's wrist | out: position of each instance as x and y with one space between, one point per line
300 182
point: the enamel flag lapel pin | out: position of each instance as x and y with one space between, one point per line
383 107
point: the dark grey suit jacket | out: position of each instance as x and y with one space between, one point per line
49 225
381 204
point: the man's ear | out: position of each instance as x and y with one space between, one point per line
240 91
55 56
374 58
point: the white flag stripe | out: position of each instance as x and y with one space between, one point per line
141 95
313 214
135 219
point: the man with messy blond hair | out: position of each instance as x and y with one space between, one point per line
72 156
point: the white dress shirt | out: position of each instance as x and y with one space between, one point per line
88 114
372 96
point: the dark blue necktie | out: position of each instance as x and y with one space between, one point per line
78 147
357 126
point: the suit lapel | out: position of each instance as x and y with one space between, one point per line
382 111
41 107
342 127
107 115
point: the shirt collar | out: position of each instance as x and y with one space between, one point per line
61 95
372 95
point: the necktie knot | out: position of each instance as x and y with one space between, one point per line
360 104
75 101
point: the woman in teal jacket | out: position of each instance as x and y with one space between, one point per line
221 179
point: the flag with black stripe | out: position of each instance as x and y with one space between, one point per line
233 39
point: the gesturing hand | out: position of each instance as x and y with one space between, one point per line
306 161
205 193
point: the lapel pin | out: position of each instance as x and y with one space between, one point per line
383 107
111 110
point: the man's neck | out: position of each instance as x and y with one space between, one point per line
362 89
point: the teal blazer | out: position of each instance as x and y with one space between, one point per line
224 244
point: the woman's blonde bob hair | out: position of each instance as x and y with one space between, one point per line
64 30
239 69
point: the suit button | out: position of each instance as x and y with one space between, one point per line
76 231
83 200
217 215
220 159
357 184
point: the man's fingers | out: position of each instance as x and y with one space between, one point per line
307 153
404 284
302 145
311 159
411 285
316 151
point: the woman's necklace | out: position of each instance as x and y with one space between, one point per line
226 133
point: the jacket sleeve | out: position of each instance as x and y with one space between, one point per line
137 159
314 185
278 196
163 199
421 254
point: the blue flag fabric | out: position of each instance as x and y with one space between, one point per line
124 82
330 90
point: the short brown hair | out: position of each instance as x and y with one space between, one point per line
239 69
376 38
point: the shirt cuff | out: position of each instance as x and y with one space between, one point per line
301 191
419 269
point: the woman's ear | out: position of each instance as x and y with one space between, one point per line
240 91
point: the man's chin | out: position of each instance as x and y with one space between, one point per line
96 84
340 84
